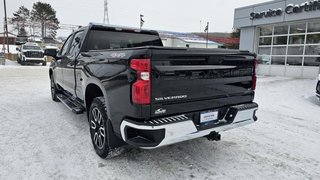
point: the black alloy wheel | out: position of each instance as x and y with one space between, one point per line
97 128
98 121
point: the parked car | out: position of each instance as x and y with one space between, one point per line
136 92
21 40
31 53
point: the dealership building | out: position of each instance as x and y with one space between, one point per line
285 34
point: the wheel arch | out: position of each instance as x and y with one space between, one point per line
92 91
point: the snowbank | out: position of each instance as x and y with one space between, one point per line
11 63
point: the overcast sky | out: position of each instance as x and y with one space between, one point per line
171 15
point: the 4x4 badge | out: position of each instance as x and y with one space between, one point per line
160 111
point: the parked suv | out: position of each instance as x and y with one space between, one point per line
31 53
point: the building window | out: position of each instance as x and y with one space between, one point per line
311 61
266 31
313 50
278 60
314 27
295 44
264 50
279 50
280 40
298 28
294 61
296 39
279 30
295 50
313 38
265 41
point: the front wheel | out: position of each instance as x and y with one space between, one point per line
98 129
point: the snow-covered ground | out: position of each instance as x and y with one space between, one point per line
12 64
41 139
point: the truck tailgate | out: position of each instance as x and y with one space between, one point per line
199 79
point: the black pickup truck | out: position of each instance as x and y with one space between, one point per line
136 92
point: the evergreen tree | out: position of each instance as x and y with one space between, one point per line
46 16
20 20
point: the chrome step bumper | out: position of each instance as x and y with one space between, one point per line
170 130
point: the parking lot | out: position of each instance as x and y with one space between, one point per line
41 139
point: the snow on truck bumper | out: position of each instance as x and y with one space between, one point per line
170 130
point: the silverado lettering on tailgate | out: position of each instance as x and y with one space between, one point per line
170 98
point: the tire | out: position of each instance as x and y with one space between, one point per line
44 63
54 90
98 129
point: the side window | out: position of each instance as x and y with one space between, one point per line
75 45
65 47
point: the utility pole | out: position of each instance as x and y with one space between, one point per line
141 21
6 24
3 41
106 14
207 30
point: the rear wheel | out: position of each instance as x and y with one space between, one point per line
98 129
54 90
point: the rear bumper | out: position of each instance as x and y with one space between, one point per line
170 130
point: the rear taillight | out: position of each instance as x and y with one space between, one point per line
254 76
142 87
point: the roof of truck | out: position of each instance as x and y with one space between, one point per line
93 26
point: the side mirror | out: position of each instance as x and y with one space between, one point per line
51 52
